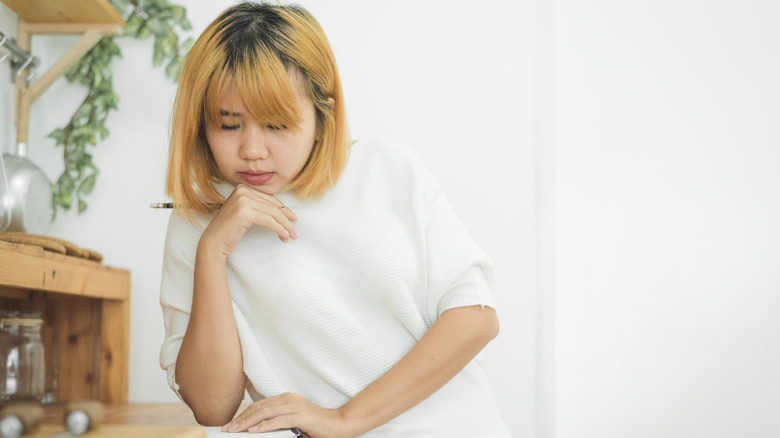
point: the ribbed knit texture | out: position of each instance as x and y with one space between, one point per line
378 259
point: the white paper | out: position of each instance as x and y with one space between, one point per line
216 432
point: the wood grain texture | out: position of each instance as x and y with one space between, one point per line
78 338
114 350
52 431
86 309
65 11
29 267
133 414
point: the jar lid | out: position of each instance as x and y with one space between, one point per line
20 321
11 426
19 318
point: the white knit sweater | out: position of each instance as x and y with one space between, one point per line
378 259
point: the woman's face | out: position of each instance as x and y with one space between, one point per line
264 157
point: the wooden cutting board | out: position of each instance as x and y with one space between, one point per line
111 431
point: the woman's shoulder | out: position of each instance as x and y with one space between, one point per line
387 147
387 153
389 161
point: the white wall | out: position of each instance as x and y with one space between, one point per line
7 136
667 205
453 79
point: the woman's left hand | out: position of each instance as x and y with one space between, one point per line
286 411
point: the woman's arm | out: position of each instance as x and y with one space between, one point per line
450 344
209 367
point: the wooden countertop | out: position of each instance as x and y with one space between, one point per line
133 414
128 420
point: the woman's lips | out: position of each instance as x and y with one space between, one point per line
256 178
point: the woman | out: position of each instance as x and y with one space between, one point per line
330 280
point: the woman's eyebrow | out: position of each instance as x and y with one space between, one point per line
228 113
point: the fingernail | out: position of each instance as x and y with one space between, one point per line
226 427
233 428
252 429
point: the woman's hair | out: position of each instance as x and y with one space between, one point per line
259 47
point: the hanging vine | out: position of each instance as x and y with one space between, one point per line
159 20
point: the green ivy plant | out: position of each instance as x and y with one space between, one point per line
156 19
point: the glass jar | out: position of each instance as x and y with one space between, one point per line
22 364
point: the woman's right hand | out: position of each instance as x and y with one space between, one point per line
242 209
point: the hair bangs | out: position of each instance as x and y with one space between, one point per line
267 92
218 85
262 81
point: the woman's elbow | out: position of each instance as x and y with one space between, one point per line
210 420
210 411
478 323
491 326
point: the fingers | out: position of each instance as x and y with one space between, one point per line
288 213
272 413
272 200
267 211
272 218
275 423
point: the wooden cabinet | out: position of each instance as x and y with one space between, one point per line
86 309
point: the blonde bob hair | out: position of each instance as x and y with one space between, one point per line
259 47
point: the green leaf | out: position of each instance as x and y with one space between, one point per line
83 111
73 73
65 183
133 25
173 69
65 199
163 48
121 6
87 185
177 13
185 24
58 135
186 46
156 26
82 205
97 78
144 32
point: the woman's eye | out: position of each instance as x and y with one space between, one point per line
276 128
229 127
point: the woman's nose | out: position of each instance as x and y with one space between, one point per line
254 144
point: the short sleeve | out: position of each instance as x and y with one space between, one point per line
176 289
460 273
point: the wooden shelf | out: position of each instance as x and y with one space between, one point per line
86 309
86 305
94 19
65 11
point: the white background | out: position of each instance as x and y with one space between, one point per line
619 160
667 218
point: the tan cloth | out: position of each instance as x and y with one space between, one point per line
51 244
